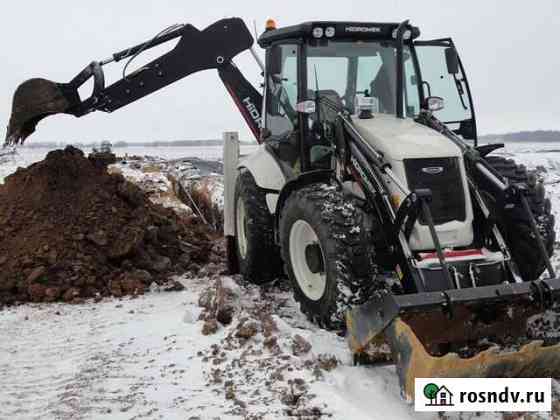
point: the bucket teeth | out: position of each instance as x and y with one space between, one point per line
33 100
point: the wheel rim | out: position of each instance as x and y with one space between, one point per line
240 224
311 283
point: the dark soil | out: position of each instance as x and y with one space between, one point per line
69 231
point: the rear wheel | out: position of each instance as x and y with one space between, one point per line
514 226
257 254
327 253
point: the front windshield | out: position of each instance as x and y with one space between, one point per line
342 70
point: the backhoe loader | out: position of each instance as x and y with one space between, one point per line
368 189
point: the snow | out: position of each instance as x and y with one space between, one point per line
146 358
28 155
360 393
152 178
121 359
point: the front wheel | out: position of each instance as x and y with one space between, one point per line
257 254
327 253
513 224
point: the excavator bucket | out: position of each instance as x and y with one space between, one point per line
34 100
490 331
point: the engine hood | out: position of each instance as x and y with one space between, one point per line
400 139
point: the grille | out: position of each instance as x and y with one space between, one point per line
443 177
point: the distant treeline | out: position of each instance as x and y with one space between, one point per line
524 136
118 144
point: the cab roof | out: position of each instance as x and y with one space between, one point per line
342 30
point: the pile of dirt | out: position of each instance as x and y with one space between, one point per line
69 231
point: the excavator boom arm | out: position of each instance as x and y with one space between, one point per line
212 48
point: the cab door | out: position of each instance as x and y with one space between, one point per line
442 74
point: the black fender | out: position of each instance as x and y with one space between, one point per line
306 178
486 149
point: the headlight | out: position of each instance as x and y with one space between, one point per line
365 105
406 34
329 32
317 32
306 107
435 103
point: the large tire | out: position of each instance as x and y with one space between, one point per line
257 254
514 226
327 252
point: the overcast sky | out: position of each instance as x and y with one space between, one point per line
510 50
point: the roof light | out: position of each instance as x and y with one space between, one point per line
329 32
317 32
270 25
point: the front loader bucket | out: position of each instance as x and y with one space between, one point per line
459 333
33 100
532 360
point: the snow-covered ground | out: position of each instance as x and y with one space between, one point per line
26 155
147 358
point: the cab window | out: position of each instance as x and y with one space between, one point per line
281 94
376 78
438 81
327 73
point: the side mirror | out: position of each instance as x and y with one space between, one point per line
274 60
434 103
452 60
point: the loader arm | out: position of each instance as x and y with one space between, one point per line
212 48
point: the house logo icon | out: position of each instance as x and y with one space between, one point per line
438 396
